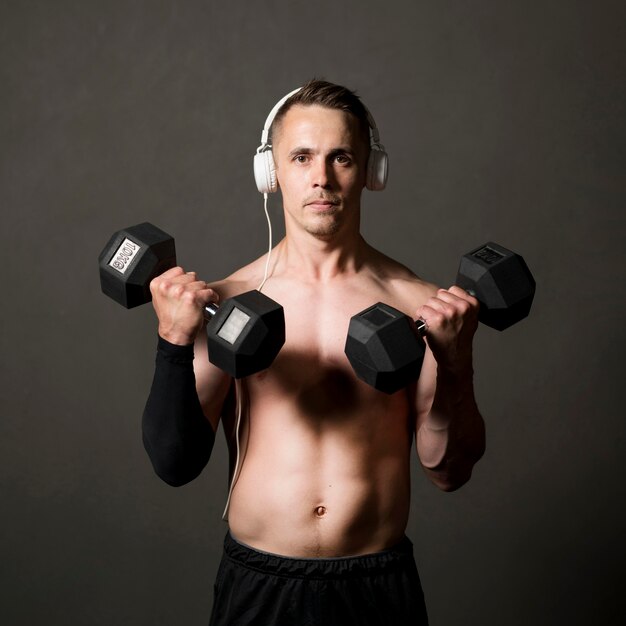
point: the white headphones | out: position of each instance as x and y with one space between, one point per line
265 169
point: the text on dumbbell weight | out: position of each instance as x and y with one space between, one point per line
124 255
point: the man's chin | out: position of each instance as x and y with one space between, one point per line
323 229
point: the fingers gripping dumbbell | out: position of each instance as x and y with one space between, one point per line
385 347
245 333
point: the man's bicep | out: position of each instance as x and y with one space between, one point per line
212 384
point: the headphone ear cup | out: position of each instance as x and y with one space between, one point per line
265 172
377 170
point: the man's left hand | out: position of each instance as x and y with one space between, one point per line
451 318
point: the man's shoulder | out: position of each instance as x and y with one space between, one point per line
244 279
406 289
393 271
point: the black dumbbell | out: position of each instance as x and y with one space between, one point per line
245 333
385 347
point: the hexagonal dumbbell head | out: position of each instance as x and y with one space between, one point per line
131 259
502 283
384 348
246 334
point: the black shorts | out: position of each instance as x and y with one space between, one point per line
256 588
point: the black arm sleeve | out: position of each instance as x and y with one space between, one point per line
177 436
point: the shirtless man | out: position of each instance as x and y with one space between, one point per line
320 505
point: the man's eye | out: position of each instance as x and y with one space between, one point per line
342 159
300 158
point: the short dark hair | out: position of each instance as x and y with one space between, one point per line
328 95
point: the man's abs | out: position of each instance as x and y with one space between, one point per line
326 467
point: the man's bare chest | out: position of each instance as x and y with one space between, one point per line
312 372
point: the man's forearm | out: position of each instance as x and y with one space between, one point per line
177 436
451 438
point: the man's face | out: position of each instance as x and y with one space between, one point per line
320 157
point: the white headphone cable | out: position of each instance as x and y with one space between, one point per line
269 251
239 411
239 383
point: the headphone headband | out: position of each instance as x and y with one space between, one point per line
270 118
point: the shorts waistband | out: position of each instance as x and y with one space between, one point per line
324 568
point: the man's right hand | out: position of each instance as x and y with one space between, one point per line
179 299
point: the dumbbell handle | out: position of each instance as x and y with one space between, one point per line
210 310
422 327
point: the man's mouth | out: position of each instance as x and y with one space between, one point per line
321 203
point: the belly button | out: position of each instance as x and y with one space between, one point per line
320 511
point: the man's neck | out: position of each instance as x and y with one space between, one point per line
318 259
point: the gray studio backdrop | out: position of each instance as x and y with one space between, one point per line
503 121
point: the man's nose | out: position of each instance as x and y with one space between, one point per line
321 174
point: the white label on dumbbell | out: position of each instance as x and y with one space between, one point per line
124 255
232 327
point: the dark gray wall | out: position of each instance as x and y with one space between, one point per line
504 121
